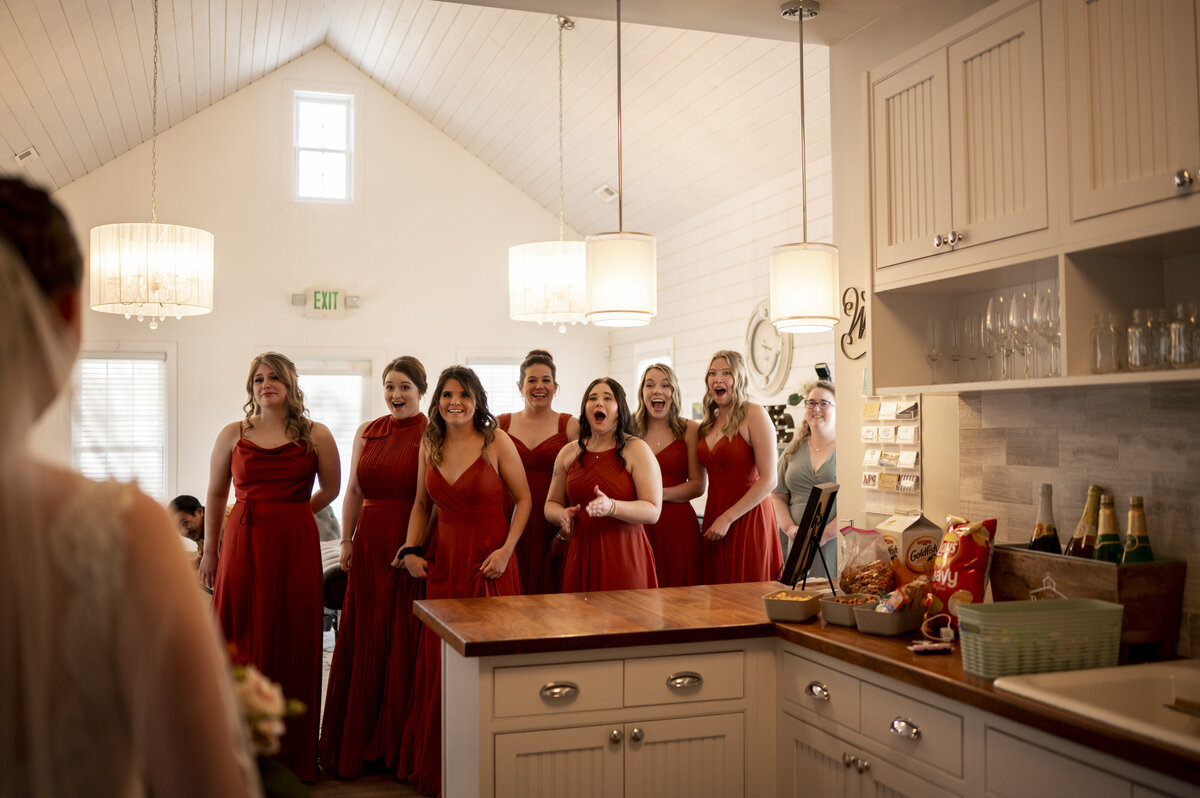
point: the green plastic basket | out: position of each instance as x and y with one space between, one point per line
1012 637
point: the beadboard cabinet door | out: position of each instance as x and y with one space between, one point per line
1132 103
581 762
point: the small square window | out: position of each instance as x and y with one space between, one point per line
323 143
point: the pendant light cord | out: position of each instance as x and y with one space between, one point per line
803 143
563 24
154 127
620 172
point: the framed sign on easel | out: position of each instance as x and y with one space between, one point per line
807 545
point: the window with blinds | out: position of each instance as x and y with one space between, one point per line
119 420
499 378
335 393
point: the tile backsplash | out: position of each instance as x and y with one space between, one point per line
1133 440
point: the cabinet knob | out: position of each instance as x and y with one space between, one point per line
559 691
862 766
1183 178
938 240
903 727
954 237
636 735
615 736
684 680
817 690
848 760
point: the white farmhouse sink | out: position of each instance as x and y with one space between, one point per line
1131 697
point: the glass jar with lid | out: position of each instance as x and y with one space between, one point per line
1139 336
1108 342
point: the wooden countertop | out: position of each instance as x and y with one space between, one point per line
576 621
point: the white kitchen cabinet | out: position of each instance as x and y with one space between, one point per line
958 142
695 757
1133 104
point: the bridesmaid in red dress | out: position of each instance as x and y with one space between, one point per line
737 447
612 483
376 625
466 466
539 433
673 439
267 594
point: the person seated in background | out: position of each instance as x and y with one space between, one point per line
188 514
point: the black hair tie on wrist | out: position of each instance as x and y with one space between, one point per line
407 550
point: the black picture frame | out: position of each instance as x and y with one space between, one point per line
807 545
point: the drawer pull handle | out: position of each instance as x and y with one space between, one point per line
636 735
1182 179
559 691
684 680
902 727
818 691
614 736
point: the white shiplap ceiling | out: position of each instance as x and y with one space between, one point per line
706 115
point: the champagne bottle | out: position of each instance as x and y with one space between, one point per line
1137 541
1108 539
1083 542
1045 533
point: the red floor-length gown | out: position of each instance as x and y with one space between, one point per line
750 551
676 537
471 525
541 572
267 595
605 553
377 609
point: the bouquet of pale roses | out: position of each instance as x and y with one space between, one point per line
264 708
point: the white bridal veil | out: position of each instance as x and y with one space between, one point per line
111 679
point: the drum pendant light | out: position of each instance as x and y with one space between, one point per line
622 270
547 280
149 269
804 276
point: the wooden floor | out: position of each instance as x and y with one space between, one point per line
369 786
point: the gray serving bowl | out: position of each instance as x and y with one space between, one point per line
791 610
841 614
889 624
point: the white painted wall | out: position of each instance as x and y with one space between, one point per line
425 247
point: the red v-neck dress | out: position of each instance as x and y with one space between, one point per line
750 551
605 553
267 595
376 625
540 571
676 537
471 525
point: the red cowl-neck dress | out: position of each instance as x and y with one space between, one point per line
377 609
750 551
267 595
471 525
676 537
604 553
541 572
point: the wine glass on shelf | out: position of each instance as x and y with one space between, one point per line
987 345
1048 324
951 329
1020 324
970 328
996 326
933 346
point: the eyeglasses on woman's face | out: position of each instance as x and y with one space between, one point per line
824 404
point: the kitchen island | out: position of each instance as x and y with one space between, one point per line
694 691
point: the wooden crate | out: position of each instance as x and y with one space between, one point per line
1152 593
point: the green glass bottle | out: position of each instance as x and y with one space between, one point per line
1108 537
1083 542
1137 541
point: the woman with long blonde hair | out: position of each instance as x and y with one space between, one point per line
810 459
737 447
266 577
673 440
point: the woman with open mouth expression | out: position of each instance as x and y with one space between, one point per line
376 626
465 468
605 487
539 433
737 447
268 583
673 440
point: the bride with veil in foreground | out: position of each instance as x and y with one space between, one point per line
112 677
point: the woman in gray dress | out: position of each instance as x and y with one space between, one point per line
810 459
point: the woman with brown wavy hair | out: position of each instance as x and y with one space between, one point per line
267 588
737 447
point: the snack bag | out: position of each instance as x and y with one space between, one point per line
960 569
864 561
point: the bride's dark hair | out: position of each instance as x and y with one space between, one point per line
39 232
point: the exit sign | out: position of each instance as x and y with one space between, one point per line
325 303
